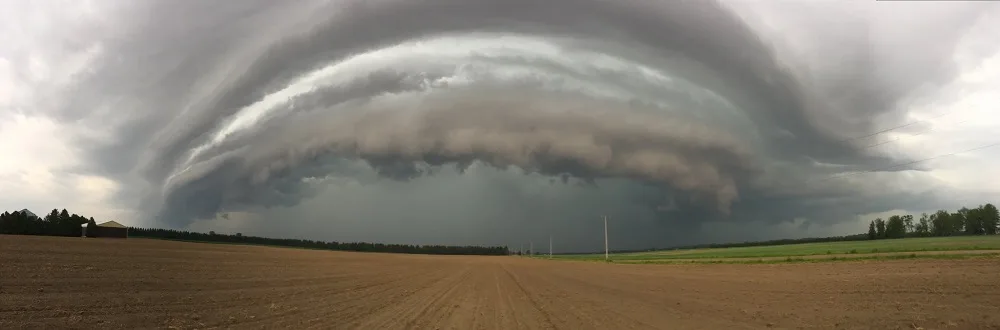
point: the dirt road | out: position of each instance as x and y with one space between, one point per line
51 283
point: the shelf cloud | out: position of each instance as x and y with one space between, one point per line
684 113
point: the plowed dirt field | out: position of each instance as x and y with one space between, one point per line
50 283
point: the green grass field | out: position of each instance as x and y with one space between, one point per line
859 248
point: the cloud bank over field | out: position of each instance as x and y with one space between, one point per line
493 122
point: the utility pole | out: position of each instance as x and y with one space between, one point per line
531 248
550 246
605 238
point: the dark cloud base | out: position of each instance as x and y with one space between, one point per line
668 115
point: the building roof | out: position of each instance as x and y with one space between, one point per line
30 214
111 224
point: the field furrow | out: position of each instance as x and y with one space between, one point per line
75 283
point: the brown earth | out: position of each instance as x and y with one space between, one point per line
50 283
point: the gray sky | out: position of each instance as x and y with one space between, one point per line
499 121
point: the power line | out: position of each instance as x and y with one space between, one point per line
913 162
911 135
848 174
977 109
894 128
897 139
843 175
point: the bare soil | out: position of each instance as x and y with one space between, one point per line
52 283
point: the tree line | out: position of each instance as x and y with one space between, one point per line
56 223
239 238
983 220
62 223
784 241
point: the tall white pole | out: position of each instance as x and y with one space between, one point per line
605 238
531 248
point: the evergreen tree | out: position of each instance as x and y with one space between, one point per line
53 217
91 228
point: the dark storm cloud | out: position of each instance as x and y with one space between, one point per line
234 106
539 133
697 30
881 54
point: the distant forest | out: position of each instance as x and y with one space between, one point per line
62 223
238 238
54 224
983 220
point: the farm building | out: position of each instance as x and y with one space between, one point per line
107 229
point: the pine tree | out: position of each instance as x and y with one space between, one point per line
53 217
91 228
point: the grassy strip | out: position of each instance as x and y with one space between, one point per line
711 257
809 254
810 260
931 244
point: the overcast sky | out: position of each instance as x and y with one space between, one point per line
500 121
